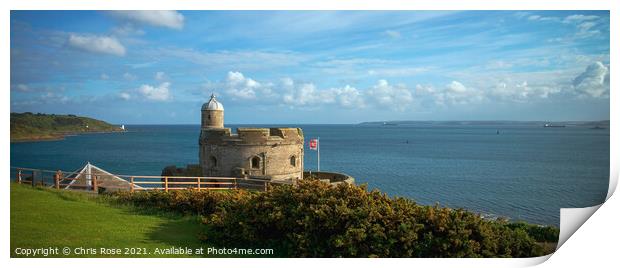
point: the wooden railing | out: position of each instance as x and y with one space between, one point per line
86 181
59 179
168 183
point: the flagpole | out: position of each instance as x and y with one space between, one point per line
318 154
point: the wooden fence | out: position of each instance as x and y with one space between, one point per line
94 181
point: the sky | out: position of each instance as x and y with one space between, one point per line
278 67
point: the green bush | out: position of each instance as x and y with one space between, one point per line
186 202
314 219
539 233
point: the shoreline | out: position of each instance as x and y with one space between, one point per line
60 136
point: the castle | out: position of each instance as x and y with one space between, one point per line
275 154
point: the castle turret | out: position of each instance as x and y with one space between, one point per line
212 114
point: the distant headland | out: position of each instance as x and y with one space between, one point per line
42 127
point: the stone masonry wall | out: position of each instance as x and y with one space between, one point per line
229 155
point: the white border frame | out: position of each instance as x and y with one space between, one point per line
587 245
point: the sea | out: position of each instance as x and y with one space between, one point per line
521 172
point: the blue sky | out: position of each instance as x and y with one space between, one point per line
158 67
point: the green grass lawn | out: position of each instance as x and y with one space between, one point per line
43 218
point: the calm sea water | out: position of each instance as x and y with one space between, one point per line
525 173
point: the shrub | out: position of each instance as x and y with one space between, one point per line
539 233
315 219
186 202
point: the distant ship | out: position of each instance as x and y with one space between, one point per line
597 127
551 125
389 124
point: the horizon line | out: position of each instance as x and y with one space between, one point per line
521 121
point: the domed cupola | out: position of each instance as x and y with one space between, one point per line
213 105
212 114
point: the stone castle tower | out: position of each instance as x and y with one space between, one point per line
263 153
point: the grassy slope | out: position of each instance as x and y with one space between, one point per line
28 126
44 218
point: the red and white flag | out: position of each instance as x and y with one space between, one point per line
313 144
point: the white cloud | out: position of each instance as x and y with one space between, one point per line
124 96
349 97
160 93
158 18
393 97
594 81
306 95
160 76
541 18
579 18
456 86
97 44
404 71
128 76
104 76
457 93
501 86
533 17
287 82
287 92
585 29
22 87
521 91
52 97
585 24
238 86
521 14
393 34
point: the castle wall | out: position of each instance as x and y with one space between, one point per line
230 155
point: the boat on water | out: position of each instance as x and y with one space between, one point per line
552 125
597 127
389 124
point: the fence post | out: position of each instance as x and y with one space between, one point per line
166 184
57 179
198 184
265 186
236 185
95 187
19 176
33 181
131 185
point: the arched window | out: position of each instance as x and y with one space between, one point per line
293 160
255 163
212 161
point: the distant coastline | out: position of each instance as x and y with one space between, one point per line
58 136
602 123
30 127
